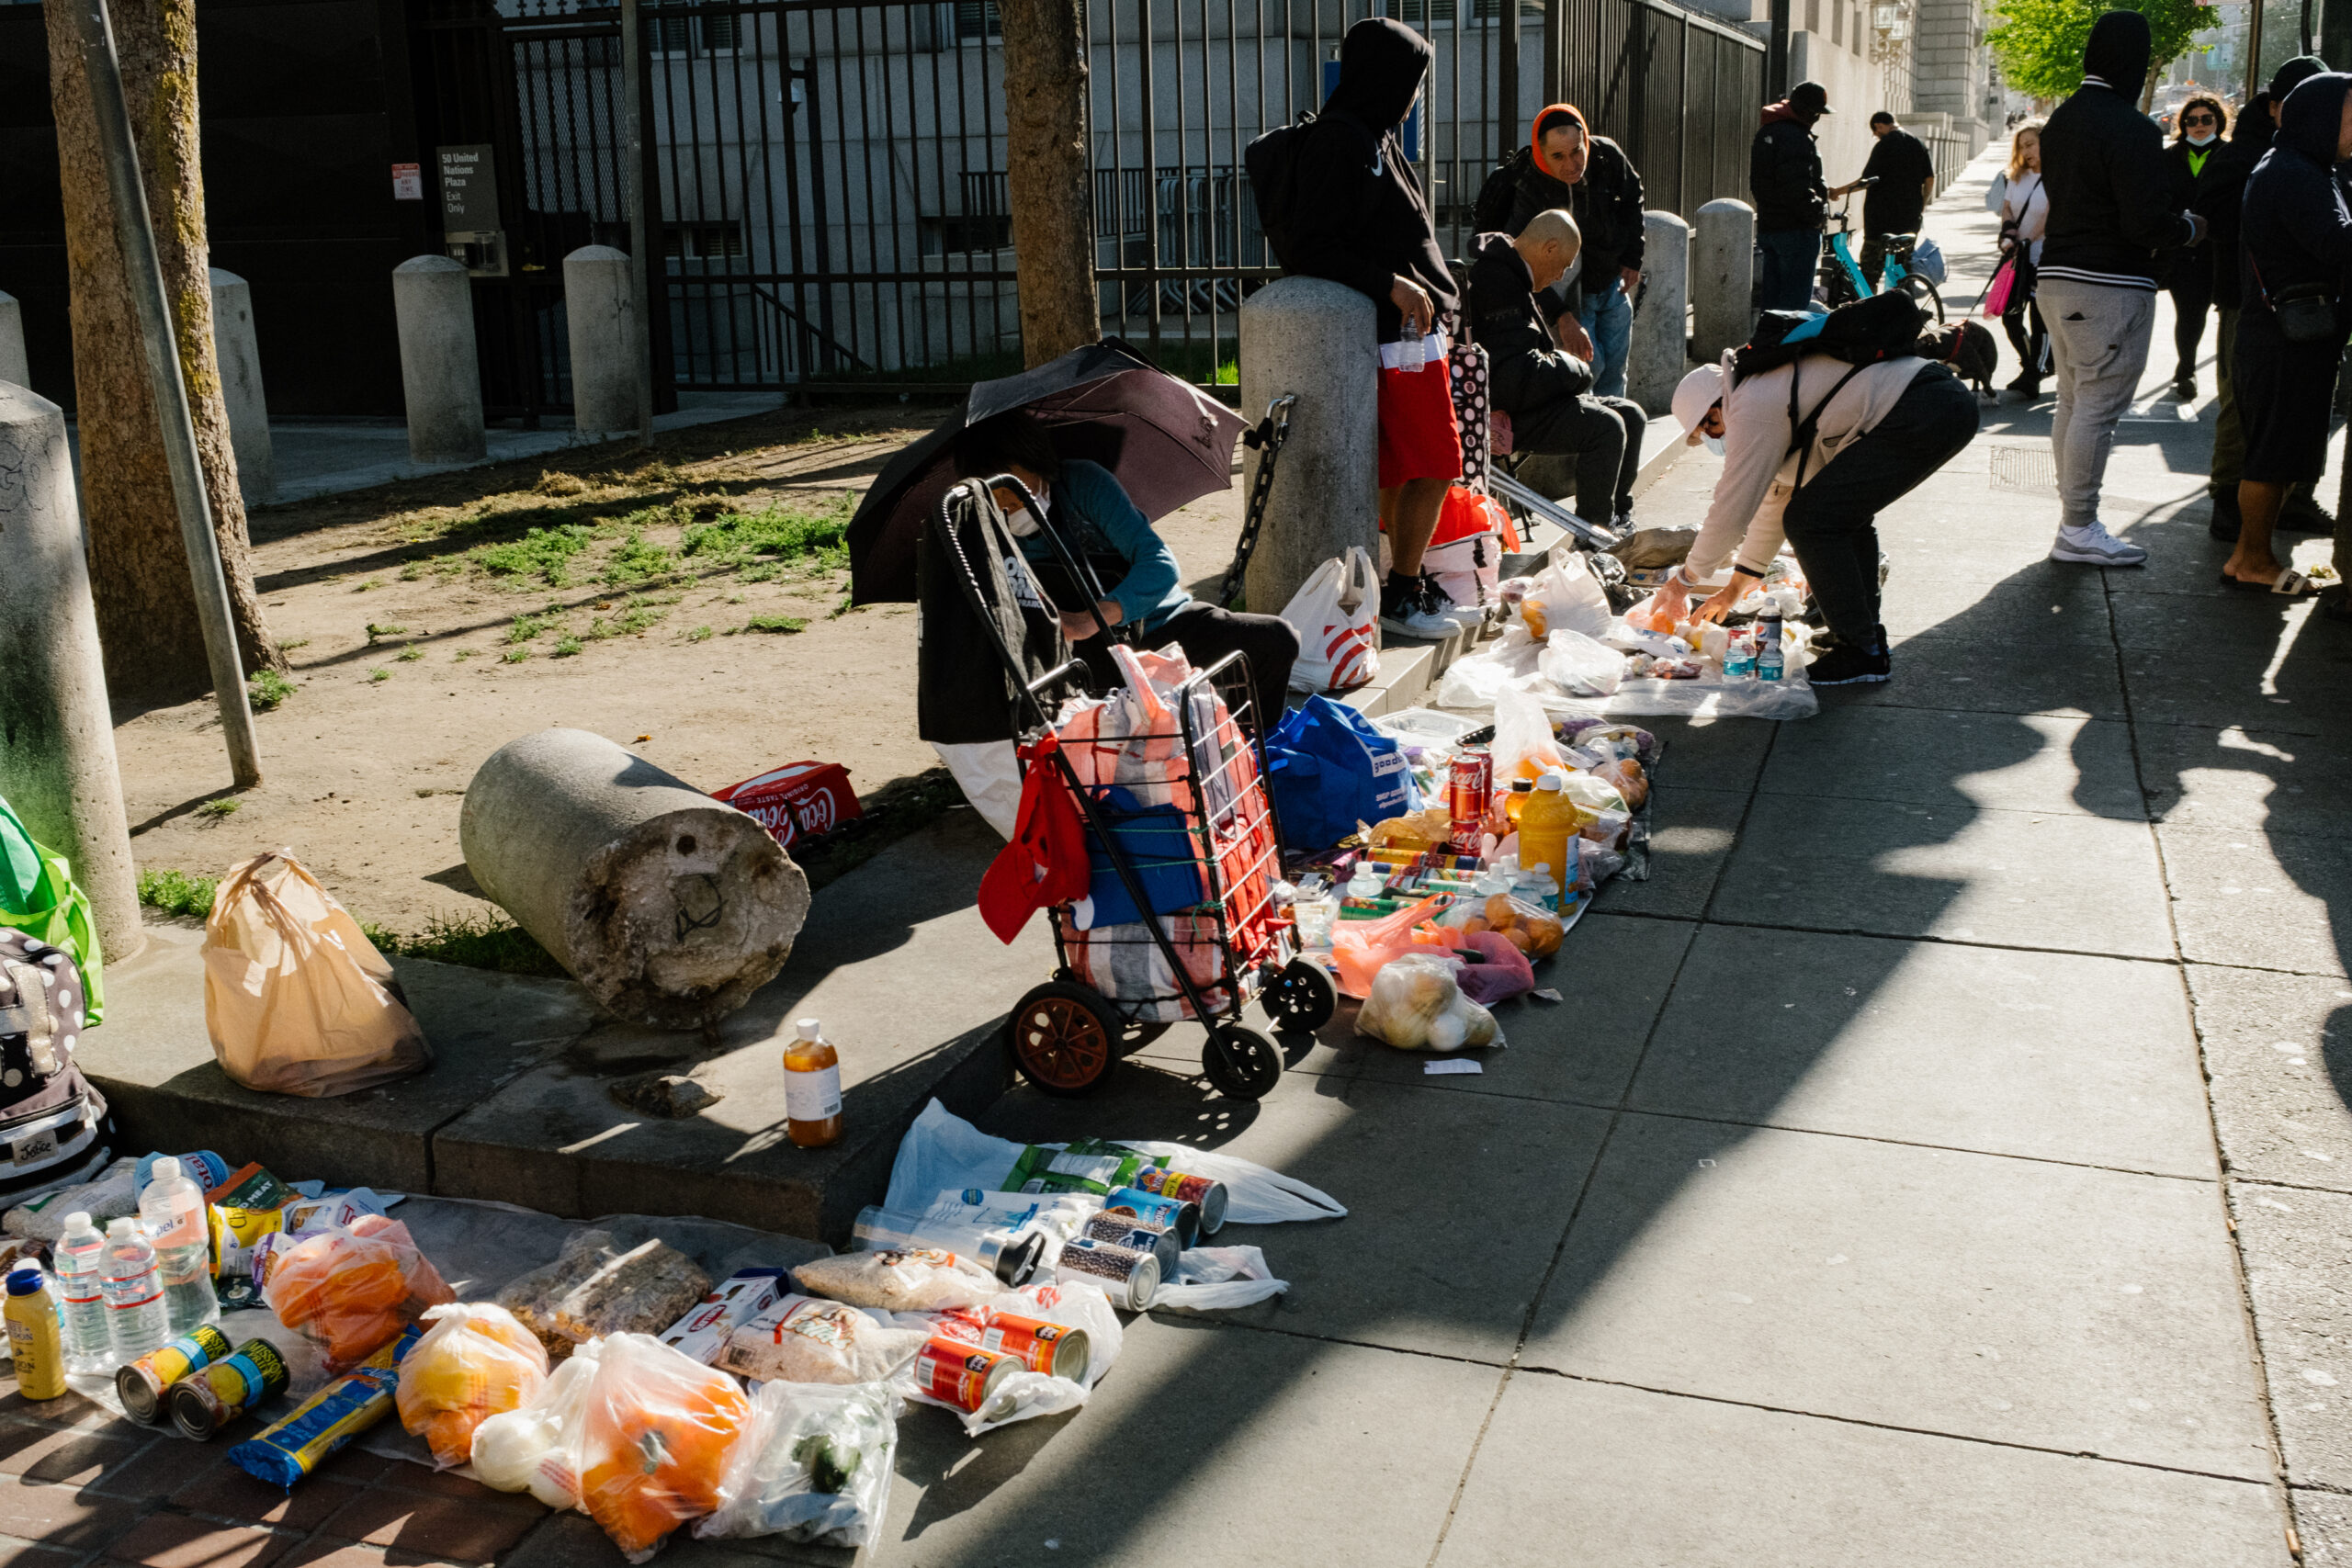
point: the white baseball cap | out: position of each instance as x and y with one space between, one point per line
1699 391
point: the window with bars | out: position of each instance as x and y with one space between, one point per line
1430 13
720 33
977 21
701 242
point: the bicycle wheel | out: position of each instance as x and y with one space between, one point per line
1924 293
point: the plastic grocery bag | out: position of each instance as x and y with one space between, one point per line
897 1281
475 1361
1565 594
1329 770
1218 1279
943 1152
814 1466
535 1446
1578 665
296 998
350 1290
39 898
802 1339
1504 971
656 1434
1524 747
1075 1304
1417 1005
1336 614
1359 948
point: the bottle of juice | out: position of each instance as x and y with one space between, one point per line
34 1341
1546 824
812 1087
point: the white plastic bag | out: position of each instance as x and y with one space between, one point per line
990 776
1075 1304
1565 593
917 1281
1336 613
1524 746
801 1339
1218 1279
815 1465
1416 1004
532 1448
1578 665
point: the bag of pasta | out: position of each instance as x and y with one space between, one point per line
475 1362
349 1291
655 1440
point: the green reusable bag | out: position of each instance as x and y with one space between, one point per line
38 896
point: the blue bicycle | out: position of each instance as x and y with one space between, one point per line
1843 281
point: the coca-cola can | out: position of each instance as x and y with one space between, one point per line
1469 792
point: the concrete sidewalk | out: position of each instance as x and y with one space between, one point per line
1942 1160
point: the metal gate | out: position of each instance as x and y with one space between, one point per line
831 208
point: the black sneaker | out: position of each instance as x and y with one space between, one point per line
1405 609
1848 665
2304 515
2185 388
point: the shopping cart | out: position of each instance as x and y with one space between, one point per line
1168 775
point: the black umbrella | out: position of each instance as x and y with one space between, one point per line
1166 442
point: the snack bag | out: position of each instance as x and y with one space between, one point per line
655 1438
475 1362
350 1290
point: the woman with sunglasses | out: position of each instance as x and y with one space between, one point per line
2194 158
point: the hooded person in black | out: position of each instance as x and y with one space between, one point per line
1361 220
2295 248
2103 166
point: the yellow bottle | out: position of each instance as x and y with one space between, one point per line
812 1087
1548 823
35 1342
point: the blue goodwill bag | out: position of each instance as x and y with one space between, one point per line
1331 769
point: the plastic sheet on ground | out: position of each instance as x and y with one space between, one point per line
1473 681
941 1152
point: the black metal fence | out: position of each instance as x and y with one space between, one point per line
830 174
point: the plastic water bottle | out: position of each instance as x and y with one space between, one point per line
172 1211
135 1317
1739 657
1771 660
80 1259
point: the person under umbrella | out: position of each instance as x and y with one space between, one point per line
1141 583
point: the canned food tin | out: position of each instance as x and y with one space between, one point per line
1183 1218
142 1382
204 1402
1142 1234
1210 1195
1469 794
965 1376
1132 1276
1053 1348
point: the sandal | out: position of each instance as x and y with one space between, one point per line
2292 583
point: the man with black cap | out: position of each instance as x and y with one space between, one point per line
2103 164
1785 175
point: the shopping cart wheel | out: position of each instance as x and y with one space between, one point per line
1241 1062
1301 997
1062 1038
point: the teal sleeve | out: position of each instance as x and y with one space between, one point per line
1153 573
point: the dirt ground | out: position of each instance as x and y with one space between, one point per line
427 625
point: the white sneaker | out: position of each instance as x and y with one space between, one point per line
2095 546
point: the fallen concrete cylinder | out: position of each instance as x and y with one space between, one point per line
669 907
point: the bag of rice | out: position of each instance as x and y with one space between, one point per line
915 1280
800 1339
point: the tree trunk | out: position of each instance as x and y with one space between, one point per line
1046 174
139 571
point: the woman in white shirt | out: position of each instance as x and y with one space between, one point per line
2025 208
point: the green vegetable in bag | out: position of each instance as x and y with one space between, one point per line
38 896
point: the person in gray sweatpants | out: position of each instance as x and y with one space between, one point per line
2099 337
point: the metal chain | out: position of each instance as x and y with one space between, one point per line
1268 438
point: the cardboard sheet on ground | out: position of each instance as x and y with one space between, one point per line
478 1247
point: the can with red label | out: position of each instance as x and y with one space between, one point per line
1210 1195
1469 792
1053 1348
964 1377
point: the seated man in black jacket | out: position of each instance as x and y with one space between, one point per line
1591 179
1544 390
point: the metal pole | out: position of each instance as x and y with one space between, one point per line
143 269
640 229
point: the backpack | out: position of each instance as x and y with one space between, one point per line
1491 214
1866 333
53 1125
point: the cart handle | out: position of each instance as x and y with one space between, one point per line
1068 669
1081 569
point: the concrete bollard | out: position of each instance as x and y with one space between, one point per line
596 304
1315 338
440 373
669 907
1661 327
1723 254
240 356
57 761
14 366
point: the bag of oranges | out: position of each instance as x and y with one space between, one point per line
476 1361
654 1440
351 1291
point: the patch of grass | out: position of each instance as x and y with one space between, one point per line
412 571
843 608
291 646
641 617
541 553
525 627
477 942
566 645
554 483
514 656
266 689
378 677
219 810
775 533
700 633
734 598
409 654
363 588
635 560
766 571
177 893
775 624
462 655
375 633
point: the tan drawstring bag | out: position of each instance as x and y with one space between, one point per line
296 999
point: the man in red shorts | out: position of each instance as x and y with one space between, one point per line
1362 221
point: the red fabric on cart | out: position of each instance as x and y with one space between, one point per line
1044 863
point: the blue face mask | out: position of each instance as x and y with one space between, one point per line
2202 139
1713 443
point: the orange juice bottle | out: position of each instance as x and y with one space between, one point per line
812 1087
1545 825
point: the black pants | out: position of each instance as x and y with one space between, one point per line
1832 520
1207 634
2022 321
1604 437
2192 299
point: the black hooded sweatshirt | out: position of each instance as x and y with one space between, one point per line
2221 196
2103 164
1361 219
2295 228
